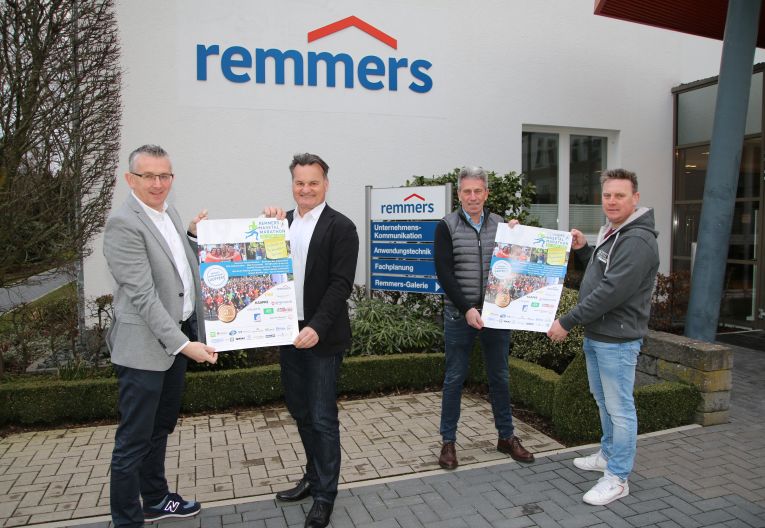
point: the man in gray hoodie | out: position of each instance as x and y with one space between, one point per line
614 306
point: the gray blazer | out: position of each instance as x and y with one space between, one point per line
148 300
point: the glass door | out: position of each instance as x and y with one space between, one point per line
743 301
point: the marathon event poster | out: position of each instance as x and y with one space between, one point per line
526 275
248 287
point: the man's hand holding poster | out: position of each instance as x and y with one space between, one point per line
248 289
525 280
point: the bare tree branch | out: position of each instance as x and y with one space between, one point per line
60 114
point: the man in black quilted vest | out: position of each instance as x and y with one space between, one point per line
464 242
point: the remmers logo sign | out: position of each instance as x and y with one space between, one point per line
412 204
423 202
240 64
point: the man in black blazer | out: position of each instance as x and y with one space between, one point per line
325 247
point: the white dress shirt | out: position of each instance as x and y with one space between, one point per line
301 232
173 238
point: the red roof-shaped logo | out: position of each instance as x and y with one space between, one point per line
414 196
340 25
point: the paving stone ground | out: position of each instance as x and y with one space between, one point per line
690 477
60 475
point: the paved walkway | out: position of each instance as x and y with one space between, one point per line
59 475
32 289
689 477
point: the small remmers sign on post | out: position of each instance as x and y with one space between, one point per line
401 224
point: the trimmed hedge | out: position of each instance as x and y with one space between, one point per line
361 375
660 406
223 389
665 405
565 399
55 401
575 414
533 385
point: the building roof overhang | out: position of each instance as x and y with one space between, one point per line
705 18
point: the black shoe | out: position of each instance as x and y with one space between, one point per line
319 515
172 505
299 492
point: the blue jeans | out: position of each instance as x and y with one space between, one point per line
611 374
495 345
310 391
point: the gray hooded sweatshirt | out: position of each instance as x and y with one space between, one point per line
615 294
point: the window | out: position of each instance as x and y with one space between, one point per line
588 161
743 300
567 162
540 165
739 298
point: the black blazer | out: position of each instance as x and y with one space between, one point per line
329 273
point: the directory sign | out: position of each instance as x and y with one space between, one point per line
401 226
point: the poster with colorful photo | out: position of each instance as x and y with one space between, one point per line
248 289
526 275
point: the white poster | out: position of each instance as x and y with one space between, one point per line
248 288
526 275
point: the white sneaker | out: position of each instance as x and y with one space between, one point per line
594 462
608 489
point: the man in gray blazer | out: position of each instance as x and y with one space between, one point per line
153 334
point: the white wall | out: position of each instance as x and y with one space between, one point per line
497 65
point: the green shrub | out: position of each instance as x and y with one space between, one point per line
565 398
379 327
661 406
366 374
425 304
50 401
575 414
665 405
221 390
49 325
511 195
537 348
239 359
534 386
78 370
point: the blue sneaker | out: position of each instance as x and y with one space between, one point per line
172 505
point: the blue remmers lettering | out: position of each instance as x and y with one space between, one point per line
236 63
417 72
398 208
278 58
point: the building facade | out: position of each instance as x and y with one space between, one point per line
387 90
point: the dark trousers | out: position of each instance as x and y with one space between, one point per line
149 403
310 391
459 338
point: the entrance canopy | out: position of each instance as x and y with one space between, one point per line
705 18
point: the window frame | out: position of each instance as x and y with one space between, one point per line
613 158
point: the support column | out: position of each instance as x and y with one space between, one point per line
722 173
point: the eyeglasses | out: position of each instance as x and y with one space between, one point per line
163 178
